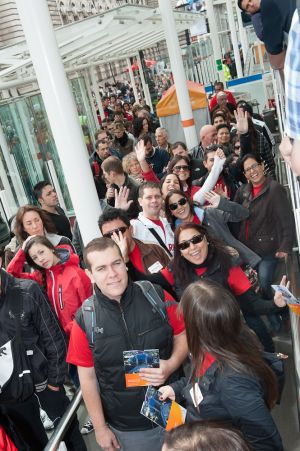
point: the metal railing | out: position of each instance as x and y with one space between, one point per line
287 178
64 423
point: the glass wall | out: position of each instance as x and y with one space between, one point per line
85 114
27 147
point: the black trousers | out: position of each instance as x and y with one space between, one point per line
26 421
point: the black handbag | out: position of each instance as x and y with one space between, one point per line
16 381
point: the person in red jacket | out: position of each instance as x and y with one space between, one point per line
219 87
57 270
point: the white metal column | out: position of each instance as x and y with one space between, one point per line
243 34
185 108
62 114
96 92
234 40
132 80
214 35
147 96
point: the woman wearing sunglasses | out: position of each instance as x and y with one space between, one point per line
230 381
198 255
180 209
181 166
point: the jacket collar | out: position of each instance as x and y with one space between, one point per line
249 188
112 304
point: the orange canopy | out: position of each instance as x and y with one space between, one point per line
168 104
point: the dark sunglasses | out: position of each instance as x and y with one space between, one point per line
237 147
175 205
195 240
178 168
120 229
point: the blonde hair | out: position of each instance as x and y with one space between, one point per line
128 159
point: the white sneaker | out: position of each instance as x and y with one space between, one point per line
47 423
87 427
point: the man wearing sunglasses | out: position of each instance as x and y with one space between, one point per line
146 258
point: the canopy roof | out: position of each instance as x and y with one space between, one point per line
168 104
113 35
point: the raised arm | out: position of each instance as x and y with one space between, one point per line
212 178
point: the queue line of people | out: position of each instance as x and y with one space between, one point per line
191 227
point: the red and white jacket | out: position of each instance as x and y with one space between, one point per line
67 284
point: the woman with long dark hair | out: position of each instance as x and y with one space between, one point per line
180 209
230 380
198 255
31 220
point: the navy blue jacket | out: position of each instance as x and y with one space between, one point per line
236 398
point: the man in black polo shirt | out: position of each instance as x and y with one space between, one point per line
46 196
276 18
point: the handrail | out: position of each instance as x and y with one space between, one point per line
66 419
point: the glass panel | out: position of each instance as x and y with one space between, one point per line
26 147
85 115
46 149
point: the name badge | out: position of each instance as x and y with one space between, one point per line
157 266
196 394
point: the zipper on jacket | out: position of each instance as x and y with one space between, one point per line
53 293
146 331
125 326
60 297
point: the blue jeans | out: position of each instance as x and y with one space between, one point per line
266 270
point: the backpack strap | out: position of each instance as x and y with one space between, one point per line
89 320
149 291
158 239
155 299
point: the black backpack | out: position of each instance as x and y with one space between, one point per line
16 381
150 293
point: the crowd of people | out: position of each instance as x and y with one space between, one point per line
205 228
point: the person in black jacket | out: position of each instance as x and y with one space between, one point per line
116 178
46 352
46 196
230 380
253 141
124 320
198 255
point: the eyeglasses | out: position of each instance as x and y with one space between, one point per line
119 229
237 147
195 240
175 205
181 168
251 168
